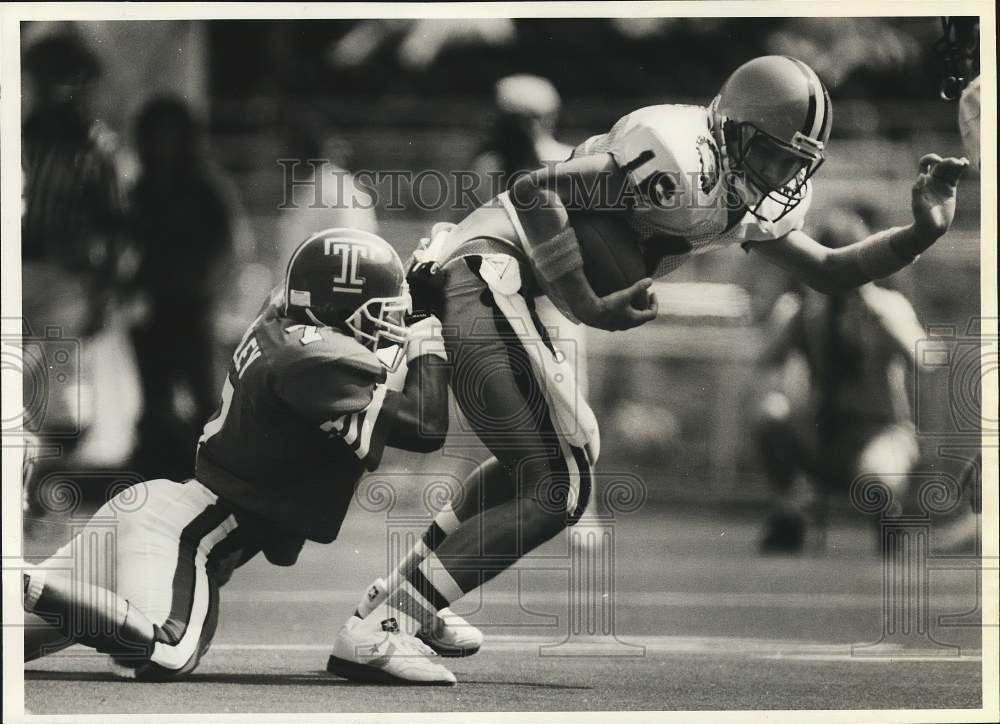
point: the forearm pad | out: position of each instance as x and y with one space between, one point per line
877 257
557 256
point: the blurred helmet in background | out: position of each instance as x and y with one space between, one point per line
527 95
958 49
353 280
63 71
773 116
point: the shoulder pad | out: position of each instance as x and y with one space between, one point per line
669 139
328 376
307 347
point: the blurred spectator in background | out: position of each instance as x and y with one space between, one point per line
522 137
851 415
321 194
420 40
71 219
185 223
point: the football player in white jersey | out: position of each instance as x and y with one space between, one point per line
688 179
959 51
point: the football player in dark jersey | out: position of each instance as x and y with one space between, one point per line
305 411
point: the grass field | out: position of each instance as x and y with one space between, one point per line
701 623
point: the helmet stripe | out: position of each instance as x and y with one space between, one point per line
817 114
827 113
810 124
823 103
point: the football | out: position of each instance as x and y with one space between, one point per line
612 259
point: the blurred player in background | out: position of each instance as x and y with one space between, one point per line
958 49
522 138
853 418
305 411
685 180
185 224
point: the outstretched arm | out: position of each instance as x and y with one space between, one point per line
883 253
541 200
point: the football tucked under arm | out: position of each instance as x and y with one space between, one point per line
540 205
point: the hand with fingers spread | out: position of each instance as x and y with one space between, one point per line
934 194
627 308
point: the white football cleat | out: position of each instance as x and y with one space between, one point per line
452 636
384 656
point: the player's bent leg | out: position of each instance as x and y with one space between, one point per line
450 635
202 545
552 479
776 441
890 455
156 608
780 453
42 637
509 404
109 623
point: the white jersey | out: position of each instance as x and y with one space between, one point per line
968 121
673 160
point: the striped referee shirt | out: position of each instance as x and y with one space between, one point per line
72 205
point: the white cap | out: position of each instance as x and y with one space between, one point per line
527 95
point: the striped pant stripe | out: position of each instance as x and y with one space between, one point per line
195 597
577 461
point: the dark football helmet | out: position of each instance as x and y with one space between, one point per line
353 280
773 116
958 49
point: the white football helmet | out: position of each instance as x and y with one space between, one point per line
772 120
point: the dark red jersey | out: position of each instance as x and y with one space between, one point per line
303 414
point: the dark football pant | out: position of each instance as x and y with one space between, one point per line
504 401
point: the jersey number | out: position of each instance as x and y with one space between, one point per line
216 423
309 333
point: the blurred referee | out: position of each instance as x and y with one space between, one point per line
72 210
71 216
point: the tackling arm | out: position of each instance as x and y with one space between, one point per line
420 410
883 253
541 200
